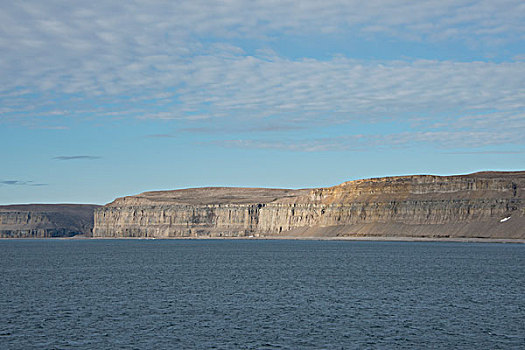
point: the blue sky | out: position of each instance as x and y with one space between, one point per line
104 99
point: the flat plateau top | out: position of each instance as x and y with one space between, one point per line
387 188
47 207
223 195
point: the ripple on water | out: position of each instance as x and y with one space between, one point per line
260 294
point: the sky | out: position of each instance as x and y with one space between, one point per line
101 99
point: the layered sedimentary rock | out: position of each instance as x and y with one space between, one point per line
487 204
46 220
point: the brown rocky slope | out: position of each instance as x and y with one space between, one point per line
46 220
485 205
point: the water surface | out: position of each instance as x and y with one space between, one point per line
245 294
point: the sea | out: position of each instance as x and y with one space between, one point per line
260 294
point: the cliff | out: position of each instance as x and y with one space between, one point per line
486 204
46 220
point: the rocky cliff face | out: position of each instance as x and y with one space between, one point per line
475 205
46 220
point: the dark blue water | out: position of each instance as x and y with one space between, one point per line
207 294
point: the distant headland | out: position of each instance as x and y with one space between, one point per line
483 205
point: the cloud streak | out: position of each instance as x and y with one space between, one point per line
76 157
115 22
453 137
488 152
237 128
161 136
20 183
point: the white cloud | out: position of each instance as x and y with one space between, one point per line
124 57
445 140
340 89
38 31
467 132
108 48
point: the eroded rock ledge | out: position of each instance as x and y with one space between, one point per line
46 220
486 204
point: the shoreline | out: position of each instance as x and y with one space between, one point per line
296 238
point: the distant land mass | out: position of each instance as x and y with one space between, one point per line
46 220
480 205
